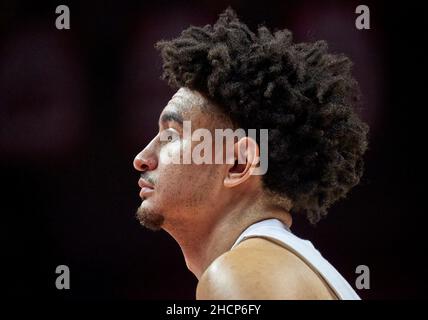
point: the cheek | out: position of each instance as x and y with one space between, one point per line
170 153
187 184
176 152
182 183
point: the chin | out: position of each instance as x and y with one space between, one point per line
149 217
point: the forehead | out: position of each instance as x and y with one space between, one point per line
189 105
185 102
192 105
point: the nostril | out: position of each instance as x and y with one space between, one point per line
144 164
139 164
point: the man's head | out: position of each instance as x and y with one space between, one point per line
180 191
231 77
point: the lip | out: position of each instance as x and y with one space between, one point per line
146 188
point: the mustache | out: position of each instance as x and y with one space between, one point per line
149 179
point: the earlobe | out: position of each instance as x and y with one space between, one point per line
246 152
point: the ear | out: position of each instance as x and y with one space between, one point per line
246 155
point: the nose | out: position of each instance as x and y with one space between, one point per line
145 160
143 164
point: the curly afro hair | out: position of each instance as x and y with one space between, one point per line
304 95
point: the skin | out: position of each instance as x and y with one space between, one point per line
205 207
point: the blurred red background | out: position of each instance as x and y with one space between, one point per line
77 105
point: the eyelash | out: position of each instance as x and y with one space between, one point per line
170 137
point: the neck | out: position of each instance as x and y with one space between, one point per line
201 243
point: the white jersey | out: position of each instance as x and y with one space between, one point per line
279 232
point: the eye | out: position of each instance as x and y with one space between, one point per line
168 135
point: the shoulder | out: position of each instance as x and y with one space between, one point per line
260 269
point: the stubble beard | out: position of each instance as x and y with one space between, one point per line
150 219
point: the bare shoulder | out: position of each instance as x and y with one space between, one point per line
260 269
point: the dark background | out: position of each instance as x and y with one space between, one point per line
77 105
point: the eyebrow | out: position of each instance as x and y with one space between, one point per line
171 116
